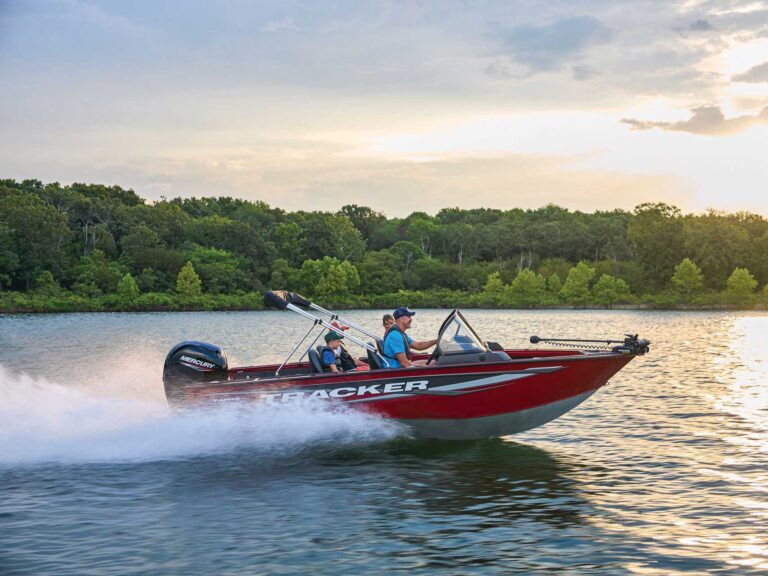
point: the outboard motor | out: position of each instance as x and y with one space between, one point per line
192 362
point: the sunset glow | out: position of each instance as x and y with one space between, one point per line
592 106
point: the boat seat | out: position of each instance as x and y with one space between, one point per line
380 345
314 360
375 361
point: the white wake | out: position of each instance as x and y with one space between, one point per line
42 421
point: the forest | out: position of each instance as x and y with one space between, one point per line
97 247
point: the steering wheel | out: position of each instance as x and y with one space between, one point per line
434 356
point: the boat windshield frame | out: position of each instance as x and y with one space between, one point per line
456 336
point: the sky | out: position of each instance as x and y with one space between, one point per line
400 106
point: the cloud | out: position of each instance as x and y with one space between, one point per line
286 23
700 26
75 11
695 27
545 48
320 176
583 72
757 73
401 48
706 120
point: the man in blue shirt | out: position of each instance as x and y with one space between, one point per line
397 344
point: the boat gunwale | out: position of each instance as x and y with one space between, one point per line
580 355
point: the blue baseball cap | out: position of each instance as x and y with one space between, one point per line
403 311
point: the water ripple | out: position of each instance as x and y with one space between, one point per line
661 472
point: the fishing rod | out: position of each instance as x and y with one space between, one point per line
335 316
284 300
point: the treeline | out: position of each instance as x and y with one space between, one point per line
103 247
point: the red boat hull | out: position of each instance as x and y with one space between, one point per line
469 401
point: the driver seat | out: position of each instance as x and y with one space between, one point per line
314 360
374 361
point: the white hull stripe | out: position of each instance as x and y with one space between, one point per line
455 389
469 385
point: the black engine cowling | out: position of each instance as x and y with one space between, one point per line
192 362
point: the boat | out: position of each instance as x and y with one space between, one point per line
467 388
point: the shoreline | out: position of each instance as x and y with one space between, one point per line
64 304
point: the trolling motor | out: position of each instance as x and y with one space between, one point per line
630 345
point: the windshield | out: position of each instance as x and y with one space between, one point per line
457 336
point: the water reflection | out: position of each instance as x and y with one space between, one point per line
404 505
495 480
744 373
688 480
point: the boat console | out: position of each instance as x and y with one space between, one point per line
471 358
458 343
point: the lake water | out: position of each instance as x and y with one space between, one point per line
664 471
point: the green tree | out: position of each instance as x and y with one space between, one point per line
166 219
609 290
96 274
143 249
456 242
559 266
258 215
435 273
688 279
717 244
363 218
756 259
493 290
332 235
328 279
407 253
656 231
554 285
219 270
140 247
576 287
38 231
340 281
127 288
494 285
527 289
9 261
46 285
386 234
289 242
741 287
607 233
188 283
283 275
421 231
238 238
380 273
147 280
